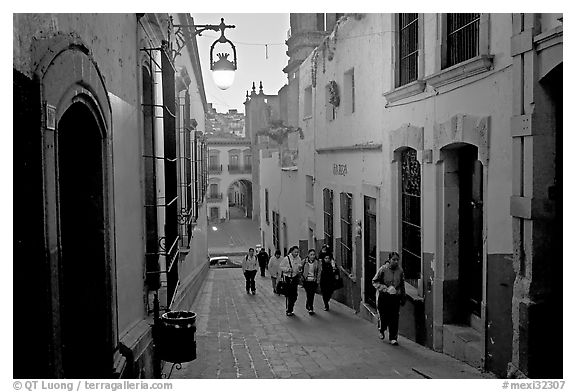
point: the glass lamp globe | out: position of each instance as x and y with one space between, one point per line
223 72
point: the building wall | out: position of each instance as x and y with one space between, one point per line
475 110
102 51
283 190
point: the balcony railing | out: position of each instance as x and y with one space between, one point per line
215 169
212 197
238 169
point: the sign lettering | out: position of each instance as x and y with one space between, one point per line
339 169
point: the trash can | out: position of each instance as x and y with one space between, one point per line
175 337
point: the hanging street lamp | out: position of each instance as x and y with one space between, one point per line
223 70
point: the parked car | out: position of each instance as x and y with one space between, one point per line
219 260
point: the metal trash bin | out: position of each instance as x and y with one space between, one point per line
174 338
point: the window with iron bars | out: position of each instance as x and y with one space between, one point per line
407 48
276 229
411 226
346 230
266 205
328 196
462 37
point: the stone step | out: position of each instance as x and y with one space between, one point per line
463 343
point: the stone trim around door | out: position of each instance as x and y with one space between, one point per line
463 128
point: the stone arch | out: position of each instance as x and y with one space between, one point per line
463 128
76 106
82 77
406 136
246 186
402 139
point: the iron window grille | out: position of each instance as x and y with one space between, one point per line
462 37
328 196
276 229
330 108
266 203
167 245
408 48
185 129
346 230
411 226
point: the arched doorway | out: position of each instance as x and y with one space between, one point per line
240 199
84 295
463 233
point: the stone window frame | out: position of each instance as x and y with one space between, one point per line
417 86
482 62
407 136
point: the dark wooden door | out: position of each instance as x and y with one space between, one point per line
370 236
471 230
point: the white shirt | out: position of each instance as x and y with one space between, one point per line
274 266
249 264
285 266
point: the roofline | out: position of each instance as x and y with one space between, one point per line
192 46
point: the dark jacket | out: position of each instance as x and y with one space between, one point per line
262 258
327 276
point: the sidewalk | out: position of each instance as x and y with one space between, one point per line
249 336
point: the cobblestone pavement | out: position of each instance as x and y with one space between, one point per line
233 236
249 336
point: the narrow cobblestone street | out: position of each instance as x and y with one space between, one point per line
246 336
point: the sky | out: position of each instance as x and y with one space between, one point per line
252 32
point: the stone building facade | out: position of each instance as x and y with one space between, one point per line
109 181
445 148
230 176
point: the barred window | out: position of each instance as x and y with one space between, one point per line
346 230
330 108
276 229
328 196
411 229
266 206
462 37
408 48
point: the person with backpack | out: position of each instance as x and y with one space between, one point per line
249 267
263 261
291 267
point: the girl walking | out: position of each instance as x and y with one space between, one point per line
311 275
327 282
249 267
274 269
389 281
290 269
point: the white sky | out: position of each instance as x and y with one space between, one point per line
251 33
